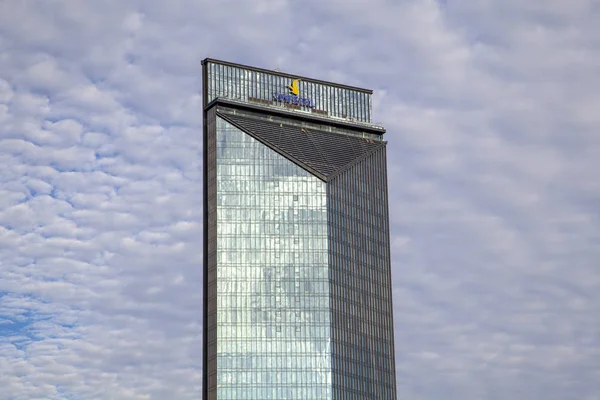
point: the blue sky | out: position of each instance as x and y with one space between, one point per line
494 157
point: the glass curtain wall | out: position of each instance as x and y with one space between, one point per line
273 325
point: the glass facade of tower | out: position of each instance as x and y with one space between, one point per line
361 295
297 292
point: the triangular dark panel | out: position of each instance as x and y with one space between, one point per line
324 153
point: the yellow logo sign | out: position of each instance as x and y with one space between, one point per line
293 97
294 89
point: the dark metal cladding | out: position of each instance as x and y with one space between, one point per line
210 253
205 135
322 153
361 297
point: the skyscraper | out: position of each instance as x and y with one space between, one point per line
297 287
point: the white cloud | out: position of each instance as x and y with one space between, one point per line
493 153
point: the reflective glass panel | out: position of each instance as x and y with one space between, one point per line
273 312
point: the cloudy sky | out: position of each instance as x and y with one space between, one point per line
493 126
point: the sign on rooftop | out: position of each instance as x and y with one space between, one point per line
271 88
